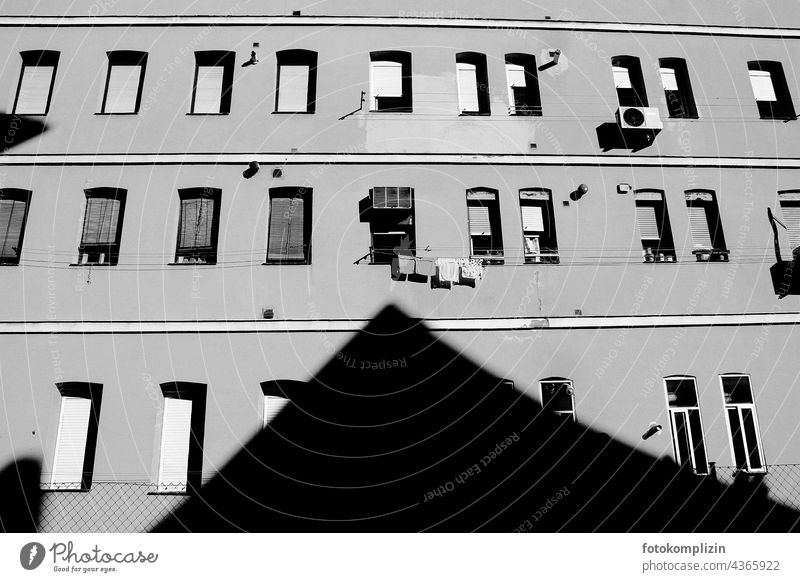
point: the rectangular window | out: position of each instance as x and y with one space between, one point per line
390 81
102 226
73 460
124 82
272 406
742 423
485 231
705 226
391 220
198 225
13 216
790 208
770 90
628 81
181 456
677 88
213 82
36 82
558 397
652 220
289 237
473 84
523 85
297 80
538 226
686 424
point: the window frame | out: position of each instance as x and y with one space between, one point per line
494 253
306 195
205 255
683 96
543 199
402 104
532 94
636 96
18 195
685 410
665 242
740 407
196 393
707 199
297 57
124 58
482 93
111 251
783 110
274 389
37 58
790 199
217 58
572 413
392 223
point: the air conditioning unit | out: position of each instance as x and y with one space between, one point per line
639 118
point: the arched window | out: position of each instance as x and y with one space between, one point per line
123 90
685 423
677 88
523 85
390 81
198 225
102 226
473 84
770 90
213 82
296 85
743 431
14 204
36 82
652 220
628 81
538 225
182 432
485 230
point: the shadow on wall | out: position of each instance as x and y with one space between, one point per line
401 433
611 137
19 508
16 129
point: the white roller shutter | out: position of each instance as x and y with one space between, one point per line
208 92
73 429
34 90
646 220
123 89
515 75
293 88
763 88
791 218
272 406
174 466
532 219
387 79
467 87
698 225
668 79
479 220
622 78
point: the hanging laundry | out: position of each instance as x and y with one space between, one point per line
448 270
426 267
472 269
405 265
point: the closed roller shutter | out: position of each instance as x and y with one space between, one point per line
763 88
286 229
387 79
123 89
208 92
646 220
791 218
34 90
293 88
668 79
698 225
176 431
73 429
479 220
468 87
272 406
532 219
12 217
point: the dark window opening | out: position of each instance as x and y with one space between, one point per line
485 231
655 231
742 423
523 85
705 226
289 237
770 90
558 397
686 424
14 205
102 226
390 81
473 84
628 81
538 226
677 88
198 225
391 223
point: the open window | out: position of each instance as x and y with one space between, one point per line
289 236
123 90
473 84
36 82
213 82
390 81
652 220
705 226
790 208
523 85
538 226
198 225
745 437
770 90
558 397
73 460
686 424
297 81
391 223
485 231
102 226
628 81
180 463
14 204
677 88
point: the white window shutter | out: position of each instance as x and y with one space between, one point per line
791 218
763 88
479 220
208 91
387 79
73 430
622 78
123 89
515 75
698 225
532 219
646 220
467 87
34 90
176 431
293 88
272 406
668 79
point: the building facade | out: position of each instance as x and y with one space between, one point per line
219 202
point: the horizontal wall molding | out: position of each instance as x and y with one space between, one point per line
397 21
518 324
430 159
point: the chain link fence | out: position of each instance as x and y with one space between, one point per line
107 507
781 483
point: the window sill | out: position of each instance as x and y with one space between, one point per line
56 489
193 114
288 263
170 493
117 113
9 264
784 119
474 114
684 117
205 264
391 111
29 114
92 264
292 113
